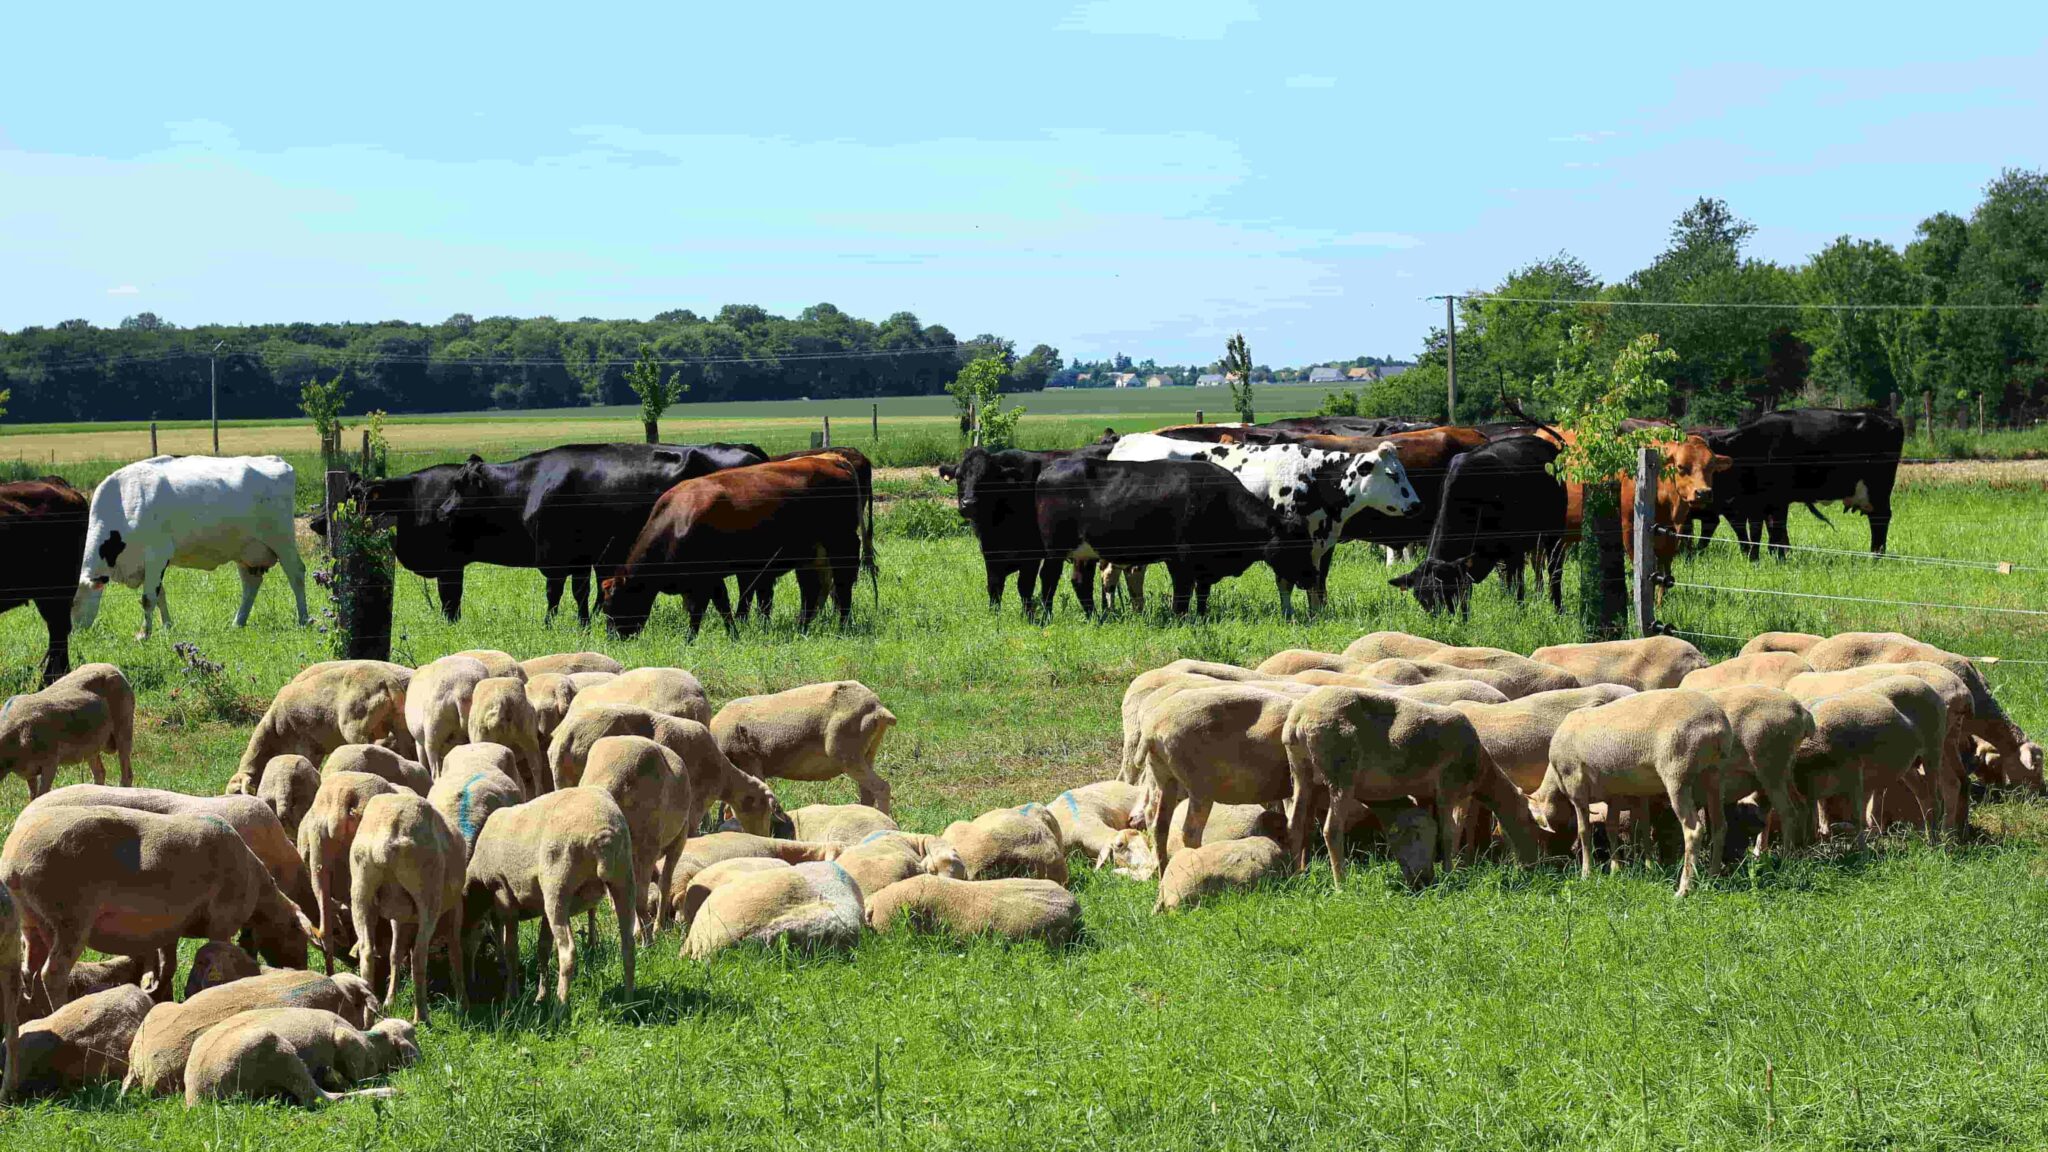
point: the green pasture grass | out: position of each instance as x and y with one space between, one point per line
1888 999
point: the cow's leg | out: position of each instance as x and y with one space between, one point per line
1202 597
1777 522
1286 597
810 593
294 574
1183 591
764 599
1083 580
720 601
450 587
555 578
1134 585
845 574
695 603
581 590
1027 587
1880 520
998 574
56 616
252 583
1048 585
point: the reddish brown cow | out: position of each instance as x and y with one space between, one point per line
752 524
864 475
42 534
1686 487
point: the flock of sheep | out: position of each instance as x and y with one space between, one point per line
412 819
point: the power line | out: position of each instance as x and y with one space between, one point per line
1732 304
331 354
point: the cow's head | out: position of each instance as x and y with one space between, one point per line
1691 468
1290 551
1439 585
625 605
974 471
107 558
1376 480
470 484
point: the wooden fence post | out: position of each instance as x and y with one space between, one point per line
1198 417
1927 402
875 422
1980 412
817 440
1643 519
828 432
152 438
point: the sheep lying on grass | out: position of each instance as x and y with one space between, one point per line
325 706
1219 866
294 1053
1010 842
218 962
133 883
887 857
157 1058
551 857
816 732
803 906
82 1043
838 823
1015 909
1096 820
701 852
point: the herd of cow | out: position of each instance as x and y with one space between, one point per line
1207 500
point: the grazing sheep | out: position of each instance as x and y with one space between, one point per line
1643 664
1294 661
325 706
1095 820
838 823
407 866
289 784
1516 734
84 1042
1446 691
1367 747
1216 867
1513 680
806 907
651 786
1375 646
1015 909
712 776
584 681
495 662
1934 787
109 684
437 705
325 836
499 713
551 857
1229 822
381 762
42 731
124 881
1793 642
887 857
1673 743
476 780
218 962
1152 687
1010 842
669 691
1218 744
290 1052
10 993
701 852
1769 725
815 732
1861 744
566 663
550 695
1951 783
1771 669
157 1058
2020 757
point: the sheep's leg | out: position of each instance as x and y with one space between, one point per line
1168 798
1855 789
1343 807
323 894
874 791
1446 830
1582 811
422 938
662 912
458 964
65 947
1685 806
397 965
1199 804
560 922
99 767
1300 810
10 1030
625 910
508 953
1707 793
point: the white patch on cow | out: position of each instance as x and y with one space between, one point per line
1859 500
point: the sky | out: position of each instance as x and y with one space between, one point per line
1137 176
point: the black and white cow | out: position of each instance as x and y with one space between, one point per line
1322 489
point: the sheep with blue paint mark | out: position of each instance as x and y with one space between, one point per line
476 780
551 857
1096 820
1010 842
806 907
884 858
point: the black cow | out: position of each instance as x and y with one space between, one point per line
42 534
1195 518
1804 456
565 511
997 495
1500 506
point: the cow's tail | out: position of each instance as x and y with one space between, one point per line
1508 402
867 542
1819 515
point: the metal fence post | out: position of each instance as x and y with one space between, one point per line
1643 522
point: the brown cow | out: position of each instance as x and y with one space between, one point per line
1687 485
42 534
754 524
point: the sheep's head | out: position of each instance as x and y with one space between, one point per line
1550 808
1130 854
942 859
218 962
1412 843
393 1042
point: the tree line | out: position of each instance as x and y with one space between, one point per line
1949 322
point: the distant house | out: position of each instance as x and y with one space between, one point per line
1157 381
1324 376
1123 379
1209 380
1358 374
1389 371
1084 376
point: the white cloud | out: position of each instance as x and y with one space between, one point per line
1306 81
1583 137
1173 19
125 290
205 135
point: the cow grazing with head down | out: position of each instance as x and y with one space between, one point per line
566 511
752 524
997 495
1500 505
1802 456
1195 518
42 533
190 512
1321 489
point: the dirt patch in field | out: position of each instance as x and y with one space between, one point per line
1999 473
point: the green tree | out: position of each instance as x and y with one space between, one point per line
655 389
977 391
1036 367
322 403
1237 372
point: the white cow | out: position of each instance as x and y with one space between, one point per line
192 512
1323 488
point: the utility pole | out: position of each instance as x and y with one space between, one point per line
1450 357
213 390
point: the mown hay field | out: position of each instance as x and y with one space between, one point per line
1887 999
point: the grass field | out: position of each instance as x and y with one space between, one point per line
1889 999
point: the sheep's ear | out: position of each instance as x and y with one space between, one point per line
1102 857
149 982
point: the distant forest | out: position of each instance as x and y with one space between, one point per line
1954 318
